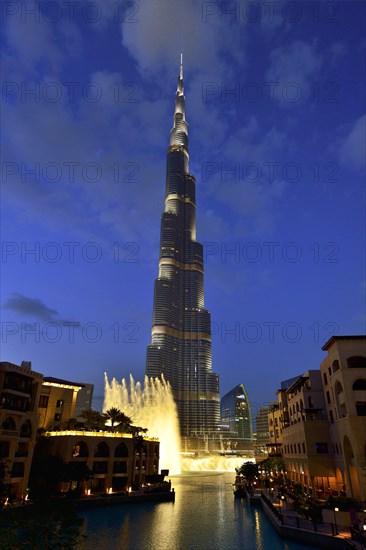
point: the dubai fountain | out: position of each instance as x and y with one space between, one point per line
152 406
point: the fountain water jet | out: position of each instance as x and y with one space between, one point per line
151 406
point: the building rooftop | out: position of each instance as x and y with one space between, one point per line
300 381
335 339
51 381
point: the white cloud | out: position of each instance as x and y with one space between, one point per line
297 63
353 148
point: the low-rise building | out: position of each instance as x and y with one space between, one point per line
320 423
306 439
343 374
117 461
20 389
57 402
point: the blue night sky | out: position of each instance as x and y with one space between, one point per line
275 104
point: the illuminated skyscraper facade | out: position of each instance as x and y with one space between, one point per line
236 413
180 348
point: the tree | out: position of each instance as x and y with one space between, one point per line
115 416
137 430
93 419
248 470
273 463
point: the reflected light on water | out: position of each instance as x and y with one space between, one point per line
258 533
213 463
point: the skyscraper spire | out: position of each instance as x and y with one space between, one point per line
180 346
179 132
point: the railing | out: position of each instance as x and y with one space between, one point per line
273 508
359 537
11 433
298 522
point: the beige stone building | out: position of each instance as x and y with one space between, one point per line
306 439
117 461
343 374
274 446
20 388
319 425
57 402
29 401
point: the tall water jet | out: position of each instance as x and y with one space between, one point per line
151 406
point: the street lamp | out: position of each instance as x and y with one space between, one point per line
335 521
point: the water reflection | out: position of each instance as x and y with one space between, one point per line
204 516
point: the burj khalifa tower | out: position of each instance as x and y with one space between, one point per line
180 348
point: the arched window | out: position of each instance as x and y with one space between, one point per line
356 362
335 366
361 408
80 450
4 449
359 384
121 450
340 400
9 424
26 429
102 450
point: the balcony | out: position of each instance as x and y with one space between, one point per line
10 433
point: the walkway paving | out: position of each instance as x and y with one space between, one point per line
292 519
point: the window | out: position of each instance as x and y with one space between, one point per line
43 401
335 365
331 417
120 468
328 397
80 450
356 362
57 417
102 450
321 448
325 378
303 448
4 449
59 403
25 429
361 409
9 424
359 384
17 469
100 467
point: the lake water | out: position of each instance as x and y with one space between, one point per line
204 516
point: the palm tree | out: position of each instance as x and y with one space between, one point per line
115 416
93 419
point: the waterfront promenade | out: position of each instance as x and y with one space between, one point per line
290 525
